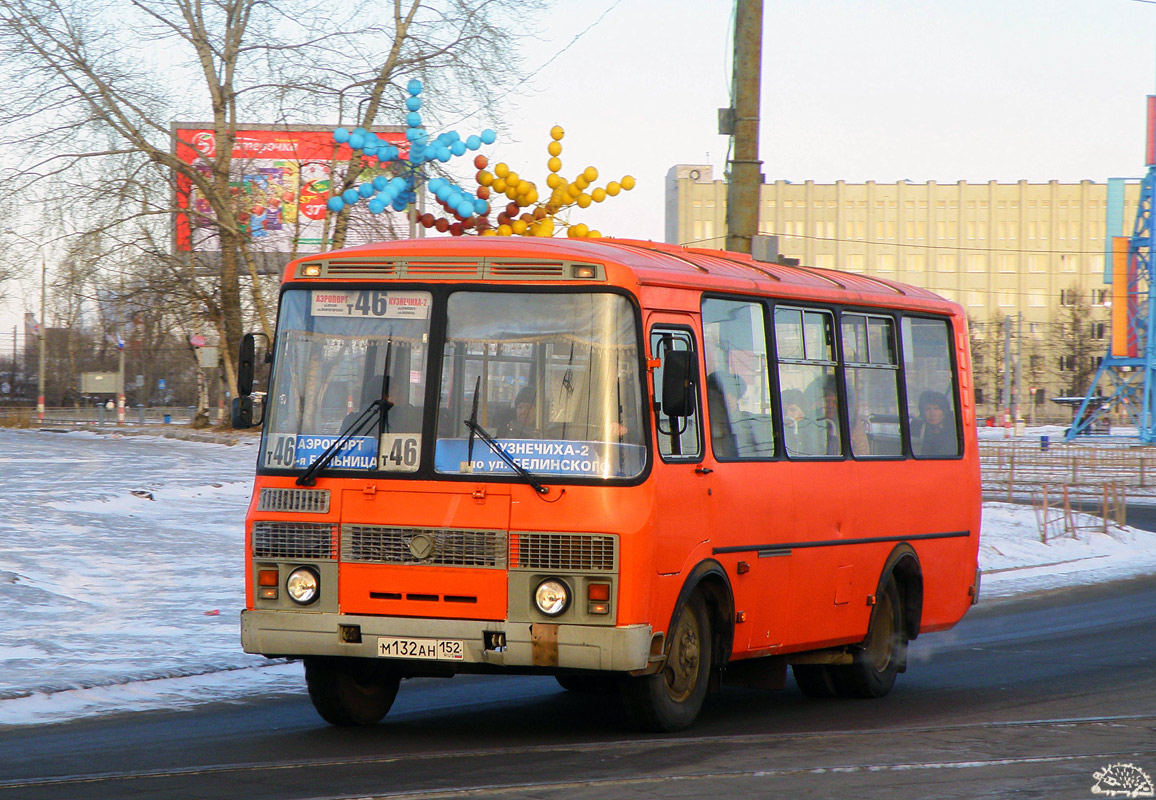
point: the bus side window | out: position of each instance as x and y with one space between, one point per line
678 438
738 393
872 380
931 389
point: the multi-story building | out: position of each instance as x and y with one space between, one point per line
1026 261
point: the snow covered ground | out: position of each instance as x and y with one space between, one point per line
121 573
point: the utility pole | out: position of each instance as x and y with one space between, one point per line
43 332
1007 371
741 122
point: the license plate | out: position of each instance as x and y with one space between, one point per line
425 649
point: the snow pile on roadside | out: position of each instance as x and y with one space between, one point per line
122 574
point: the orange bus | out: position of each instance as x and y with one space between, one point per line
621 463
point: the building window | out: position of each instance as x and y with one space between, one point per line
886 262
1098 330
945 262
1036 298
975 263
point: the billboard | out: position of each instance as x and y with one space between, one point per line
281 180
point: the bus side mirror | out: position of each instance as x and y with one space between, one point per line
245 366
242 412
679 375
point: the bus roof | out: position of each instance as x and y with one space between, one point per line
647 262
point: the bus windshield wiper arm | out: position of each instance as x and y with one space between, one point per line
493 444
309 476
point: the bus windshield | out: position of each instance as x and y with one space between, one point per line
557 379
333 347
553 377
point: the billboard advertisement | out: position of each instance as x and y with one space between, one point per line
281 180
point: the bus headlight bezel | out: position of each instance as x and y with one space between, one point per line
303 586
552 597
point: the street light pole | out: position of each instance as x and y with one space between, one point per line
43 325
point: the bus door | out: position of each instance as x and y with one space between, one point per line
680 481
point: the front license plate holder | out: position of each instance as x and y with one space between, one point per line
421 649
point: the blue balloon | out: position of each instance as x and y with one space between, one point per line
474 142
387 153
397 184
422 138
335 204
443 155
413 119
350 196
465 208
481 206
341 136
399 204
413 103
380 182
458 148
488 136
453 136
376 205
412 133
414 86
357 141
365 189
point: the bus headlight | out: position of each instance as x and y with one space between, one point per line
303 585
552 597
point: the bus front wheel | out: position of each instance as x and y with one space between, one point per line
350 691
671 699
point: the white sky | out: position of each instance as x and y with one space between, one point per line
883 90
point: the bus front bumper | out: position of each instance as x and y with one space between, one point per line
522 644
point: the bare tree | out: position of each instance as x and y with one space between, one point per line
1078 350
97 82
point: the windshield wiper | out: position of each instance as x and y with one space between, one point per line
483 434
360 425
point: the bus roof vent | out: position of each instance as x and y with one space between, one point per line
423 268
516 270
460 268
357 267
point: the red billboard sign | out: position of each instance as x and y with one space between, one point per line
281 182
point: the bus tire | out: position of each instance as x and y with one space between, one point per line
815 680
350 691
878 660
671 699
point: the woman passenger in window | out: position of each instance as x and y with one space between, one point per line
937 437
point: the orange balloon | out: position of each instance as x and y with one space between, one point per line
480 161
483 192
485 178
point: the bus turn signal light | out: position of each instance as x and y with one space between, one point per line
267 577
598 591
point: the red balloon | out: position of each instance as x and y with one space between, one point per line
512 208
483 224
483 193
456 229
442 225
480 161
503 218
427 220
527 217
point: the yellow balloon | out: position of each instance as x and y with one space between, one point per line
489 232
485 178
511 178
581 182
554 148
554 164
598 195
531 196
499 185
512 192
579 231
613 188
518 226
554 181
502 169
573 192
627 182
583 200
591 174
594 234
505 230
557 133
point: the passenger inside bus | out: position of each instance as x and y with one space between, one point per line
723 391
936 433
804 436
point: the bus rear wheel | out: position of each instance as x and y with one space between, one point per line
878 660
350 691
671 699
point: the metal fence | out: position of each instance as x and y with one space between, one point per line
101 416
1015 469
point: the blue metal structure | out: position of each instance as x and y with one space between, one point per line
1128 380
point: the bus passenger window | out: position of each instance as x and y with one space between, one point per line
804 347
872 379
934 423
677 437
737 385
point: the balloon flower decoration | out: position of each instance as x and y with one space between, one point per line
527 214
400 191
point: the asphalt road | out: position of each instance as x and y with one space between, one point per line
1027 698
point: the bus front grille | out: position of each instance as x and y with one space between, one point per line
308 501
381 544
294 540
569 552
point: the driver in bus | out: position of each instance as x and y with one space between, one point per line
524 423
